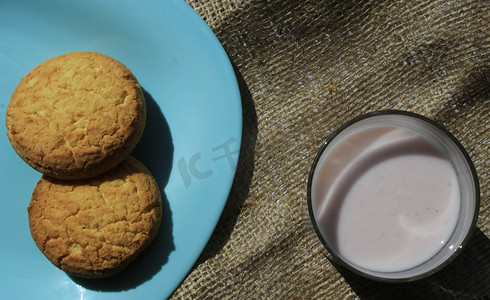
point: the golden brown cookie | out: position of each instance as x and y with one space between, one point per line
95 227
76 115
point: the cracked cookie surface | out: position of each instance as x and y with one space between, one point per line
76 115
95 227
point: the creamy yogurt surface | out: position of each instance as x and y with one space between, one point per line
385 198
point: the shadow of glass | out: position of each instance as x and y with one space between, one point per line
155 150
466 277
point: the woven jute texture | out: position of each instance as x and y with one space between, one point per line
304 69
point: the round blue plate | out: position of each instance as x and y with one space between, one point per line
191 141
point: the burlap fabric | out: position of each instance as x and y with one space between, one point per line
305 68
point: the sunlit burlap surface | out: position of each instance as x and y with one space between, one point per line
305 68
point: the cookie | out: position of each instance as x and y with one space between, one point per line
95 227
76 115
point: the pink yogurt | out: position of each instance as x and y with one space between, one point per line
385 197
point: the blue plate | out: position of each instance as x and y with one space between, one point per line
191 141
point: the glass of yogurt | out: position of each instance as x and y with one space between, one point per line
393 196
